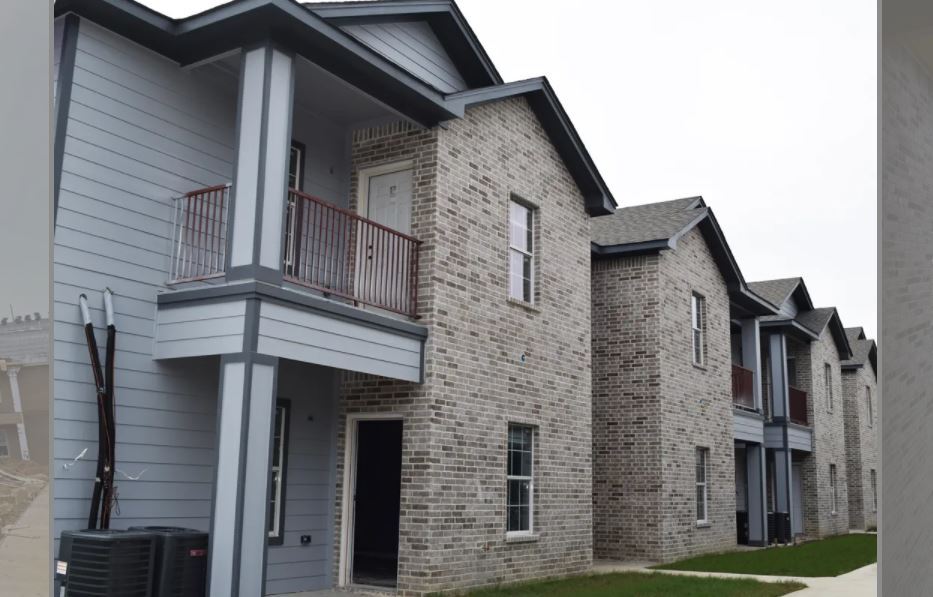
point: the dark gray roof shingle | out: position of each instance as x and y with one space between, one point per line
815 319
775 291
643 223
861 348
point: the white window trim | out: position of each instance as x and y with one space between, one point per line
530 254
705 483
871 414
531 487
828 383
276 531
697 302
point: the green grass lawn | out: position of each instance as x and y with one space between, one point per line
826 557
635 584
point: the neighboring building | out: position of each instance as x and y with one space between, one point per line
860 403
351 270
666 295
24 388
804 429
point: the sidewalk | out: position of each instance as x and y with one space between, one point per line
24 552
861 582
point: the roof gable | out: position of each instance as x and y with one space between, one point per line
791 292
454 37
864 351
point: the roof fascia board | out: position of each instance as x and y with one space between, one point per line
243 22
560 129
793 326
839 335
651 246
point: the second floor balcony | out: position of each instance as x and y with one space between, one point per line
798 407
327 249
743 392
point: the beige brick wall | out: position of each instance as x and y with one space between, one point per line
454 447
861 445
653 407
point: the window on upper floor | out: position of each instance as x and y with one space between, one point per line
702 466
520 480
828 385
521 252
278 471
296 160
698 328
871 414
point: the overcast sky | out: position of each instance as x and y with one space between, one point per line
766 109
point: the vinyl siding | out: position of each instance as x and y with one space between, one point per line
315 338
749 428
199 330
414 47
309 482
141 130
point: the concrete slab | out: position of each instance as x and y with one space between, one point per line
25 567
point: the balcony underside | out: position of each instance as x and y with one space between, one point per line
284 323
748 426
798 437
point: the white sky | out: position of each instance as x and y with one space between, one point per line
767 109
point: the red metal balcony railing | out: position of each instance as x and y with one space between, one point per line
798 406
743 383
342 253
199 230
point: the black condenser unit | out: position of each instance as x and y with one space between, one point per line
180 562
111 563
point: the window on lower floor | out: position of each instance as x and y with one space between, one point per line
520 479
4 445
276 493
874 490
702 456
833 487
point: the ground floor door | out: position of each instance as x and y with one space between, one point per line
377 499
797 494
741 495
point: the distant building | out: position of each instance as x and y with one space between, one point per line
24 388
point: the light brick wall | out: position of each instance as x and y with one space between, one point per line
626 406
653 407
454 447
861 445
697 403
828 442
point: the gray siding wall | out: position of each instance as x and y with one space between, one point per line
748 427
310 481
315 338
327 155
414 47
799 438
141 130
196 330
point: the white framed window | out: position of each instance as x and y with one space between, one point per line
521 252
520 480
697 324
871 414
702 456
828 385
833 487
296 160
4 445
278 470
874 490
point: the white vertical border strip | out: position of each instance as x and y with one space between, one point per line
247 166
228 462
278 142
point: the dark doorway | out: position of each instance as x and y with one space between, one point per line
377 499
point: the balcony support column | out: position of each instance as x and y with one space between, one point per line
751 356
777 355
757 494
260 182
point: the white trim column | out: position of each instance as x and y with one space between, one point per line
246 415
751 356
260 185
12 373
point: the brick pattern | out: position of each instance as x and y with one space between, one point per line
626 402
861 445
653 407
697 403
828 440
476 382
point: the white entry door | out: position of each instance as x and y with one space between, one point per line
383 270
797 493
